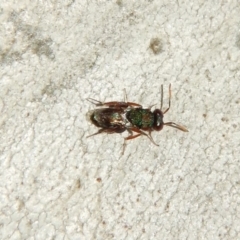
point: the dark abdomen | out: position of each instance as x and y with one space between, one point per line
107 117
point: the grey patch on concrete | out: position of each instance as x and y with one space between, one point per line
38 44
42 47
238 41
9 56
119 3
25 38
48 90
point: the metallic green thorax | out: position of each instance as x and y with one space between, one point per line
141 118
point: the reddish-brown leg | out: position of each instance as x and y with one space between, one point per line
109 131
131 104
114 103
98 132
169 99
133 136
129 138
140 132
151 106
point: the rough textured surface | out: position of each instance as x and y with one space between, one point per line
55 183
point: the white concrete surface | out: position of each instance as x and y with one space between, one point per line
57 184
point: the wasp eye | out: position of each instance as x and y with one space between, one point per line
158 120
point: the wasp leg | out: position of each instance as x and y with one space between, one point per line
174 125
124 146
114 104
131 136
95 102
151 106
125 95
98 132
132 104
140 132
117 129
125 139
169 99
150 135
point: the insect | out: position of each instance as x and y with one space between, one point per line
117 117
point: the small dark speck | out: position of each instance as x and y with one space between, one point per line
78 184
119 3
99 179
224 119
234 125
167 207
204 115
156 45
